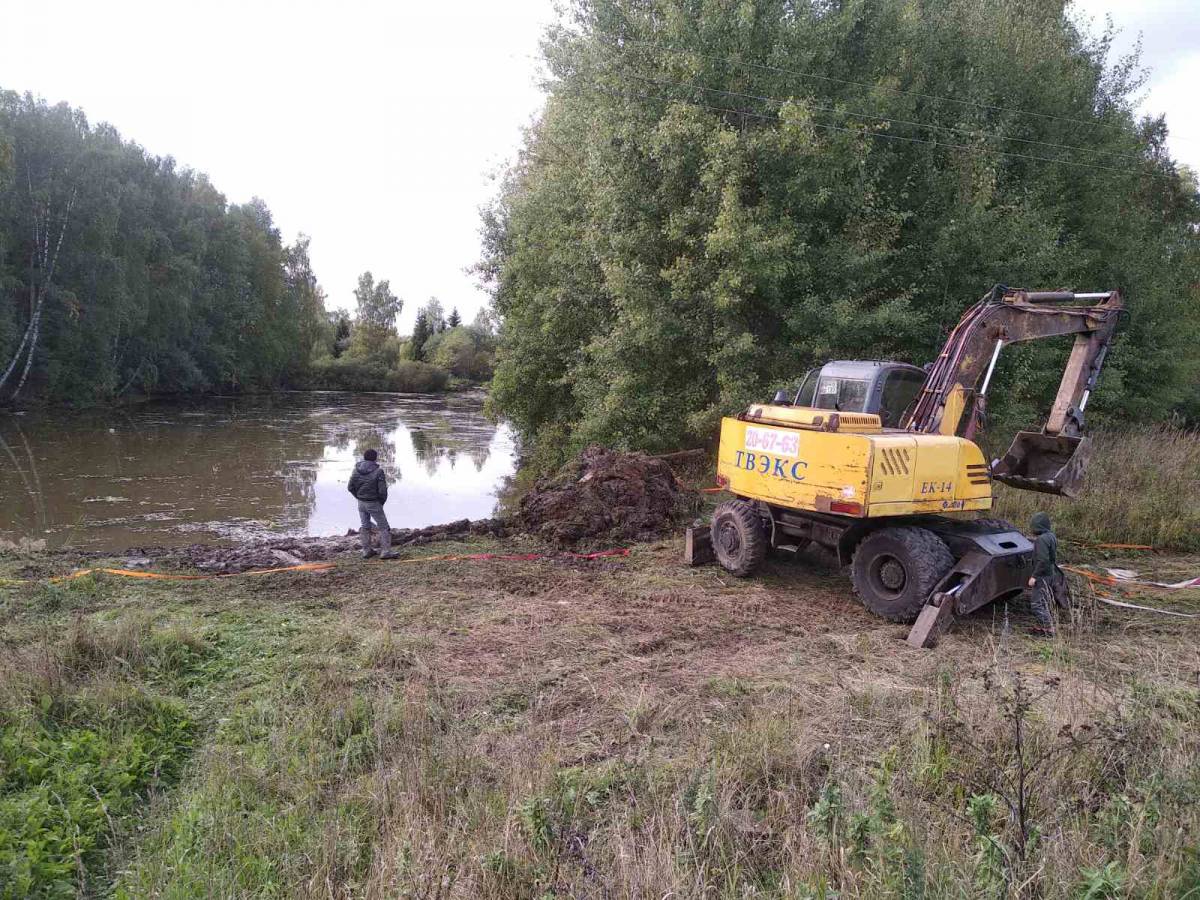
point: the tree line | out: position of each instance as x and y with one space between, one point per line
125 275
122 273
715 199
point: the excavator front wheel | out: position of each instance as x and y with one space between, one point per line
894 570
738 537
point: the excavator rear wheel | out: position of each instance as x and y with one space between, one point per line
895 569
738 537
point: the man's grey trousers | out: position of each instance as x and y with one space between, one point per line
368 510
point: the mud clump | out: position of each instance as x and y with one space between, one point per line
604 493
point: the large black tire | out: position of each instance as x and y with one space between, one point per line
739 538
895 569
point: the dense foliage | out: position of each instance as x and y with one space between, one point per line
368 354
83 744
720 194
125 274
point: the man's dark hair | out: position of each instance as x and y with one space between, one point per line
370 456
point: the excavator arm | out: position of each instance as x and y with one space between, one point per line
1052 460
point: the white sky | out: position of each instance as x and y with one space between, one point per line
375 127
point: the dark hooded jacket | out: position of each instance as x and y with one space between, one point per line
368 483
1045 547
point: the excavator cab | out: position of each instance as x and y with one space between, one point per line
885 389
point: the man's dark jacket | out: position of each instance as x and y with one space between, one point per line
368 483
1045 547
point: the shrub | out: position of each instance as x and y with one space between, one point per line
418 377
464 352
349 373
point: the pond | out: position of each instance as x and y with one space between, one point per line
162 474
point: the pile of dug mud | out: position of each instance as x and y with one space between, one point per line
605 493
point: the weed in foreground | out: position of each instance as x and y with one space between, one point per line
81 747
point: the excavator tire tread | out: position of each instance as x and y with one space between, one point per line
738 537
925 559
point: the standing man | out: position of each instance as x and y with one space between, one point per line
368 484
1043 581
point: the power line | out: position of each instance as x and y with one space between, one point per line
774 117
847 81
889 119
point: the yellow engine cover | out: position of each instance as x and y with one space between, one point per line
856 473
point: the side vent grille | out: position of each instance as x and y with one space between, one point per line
979 473
894 461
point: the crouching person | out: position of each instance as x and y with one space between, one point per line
369 486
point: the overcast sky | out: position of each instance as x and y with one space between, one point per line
375 127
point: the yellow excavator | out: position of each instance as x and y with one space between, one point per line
876 461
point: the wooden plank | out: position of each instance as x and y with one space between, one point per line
697 546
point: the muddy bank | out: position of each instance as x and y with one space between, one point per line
602 496
296 550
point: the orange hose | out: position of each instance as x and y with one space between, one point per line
132 573
326 566
1092 576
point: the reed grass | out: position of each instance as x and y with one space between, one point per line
1142 487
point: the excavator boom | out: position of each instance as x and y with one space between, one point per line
1052 460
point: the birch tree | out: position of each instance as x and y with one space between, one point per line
49 232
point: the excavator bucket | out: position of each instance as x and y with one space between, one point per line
1050 463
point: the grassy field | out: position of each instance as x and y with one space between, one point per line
1142 486
620 728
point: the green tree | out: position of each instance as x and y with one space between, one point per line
435 315
375 323
422 331
340 324
306 299
123 274
454 320
712 201
462 352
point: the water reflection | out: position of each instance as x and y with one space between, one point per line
170 473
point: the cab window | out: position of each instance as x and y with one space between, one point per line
899 390
843 394
804 396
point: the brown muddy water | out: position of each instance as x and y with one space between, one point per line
165 474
